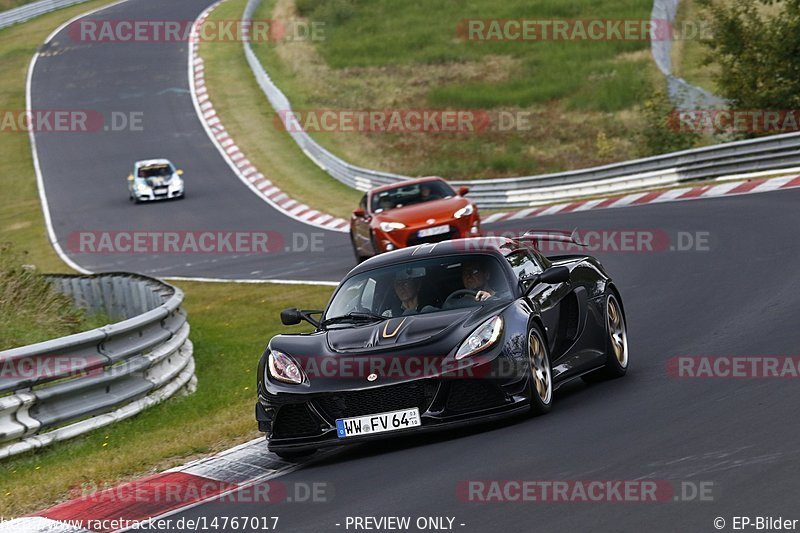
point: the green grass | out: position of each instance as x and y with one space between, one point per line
380 54
5 5
689 55
249 118
230 327
32 310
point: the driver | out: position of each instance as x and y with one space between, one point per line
427 193
475 277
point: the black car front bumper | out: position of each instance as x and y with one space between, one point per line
443 404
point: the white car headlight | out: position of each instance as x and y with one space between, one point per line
176 183
484 336
391 226
141 187
465 211
283 368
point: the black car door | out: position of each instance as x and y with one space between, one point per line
562 308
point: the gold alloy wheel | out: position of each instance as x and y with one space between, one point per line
540 367
616 331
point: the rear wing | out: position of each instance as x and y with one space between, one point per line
570 237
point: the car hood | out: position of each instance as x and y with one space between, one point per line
397 332
160 181
419 213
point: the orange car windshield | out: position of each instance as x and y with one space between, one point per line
410 194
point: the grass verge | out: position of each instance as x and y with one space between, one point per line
249 118
32 310
230 325
5 5
582 98
689 55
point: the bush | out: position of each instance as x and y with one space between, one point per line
31 309
757 52
660 134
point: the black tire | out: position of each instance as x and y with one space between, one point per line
617 354
541 377
295 456
359 258
374 244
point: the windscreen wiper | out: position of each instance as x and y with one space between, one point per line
353 316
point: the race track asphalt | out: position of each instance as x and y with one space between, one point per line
84 173
738 296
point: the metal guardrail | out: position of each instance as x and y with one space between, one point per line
57 389
29 11
765 153
683 94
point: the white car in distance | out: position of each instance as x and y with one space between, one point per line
155 179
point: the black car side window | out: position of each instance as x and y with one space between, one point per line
523 265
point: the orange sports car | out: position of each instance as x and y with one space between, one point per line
411 212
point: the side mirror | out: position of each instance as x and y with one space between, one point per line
551 276
360 213
179 172
130 177
291 317
462 191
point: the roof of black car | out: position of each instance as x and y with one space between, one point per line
474 245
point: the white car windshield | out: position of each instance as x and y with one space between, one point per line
156 171
422 286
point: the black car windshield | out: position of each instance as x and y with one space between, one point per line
418 287
415 193
155 171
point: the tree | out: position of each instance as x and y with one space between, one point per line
758 53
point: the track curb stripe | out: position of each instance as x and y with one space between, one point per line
237 159
165 493
733 188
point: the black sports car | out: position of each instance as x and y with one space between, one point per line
439 335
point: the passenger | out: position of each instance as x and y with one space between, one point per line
407 284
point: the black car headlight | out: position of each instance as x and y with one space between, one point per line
283 368
484 336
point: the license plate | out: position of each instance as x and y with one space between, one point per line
377 423
435 230
160 191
